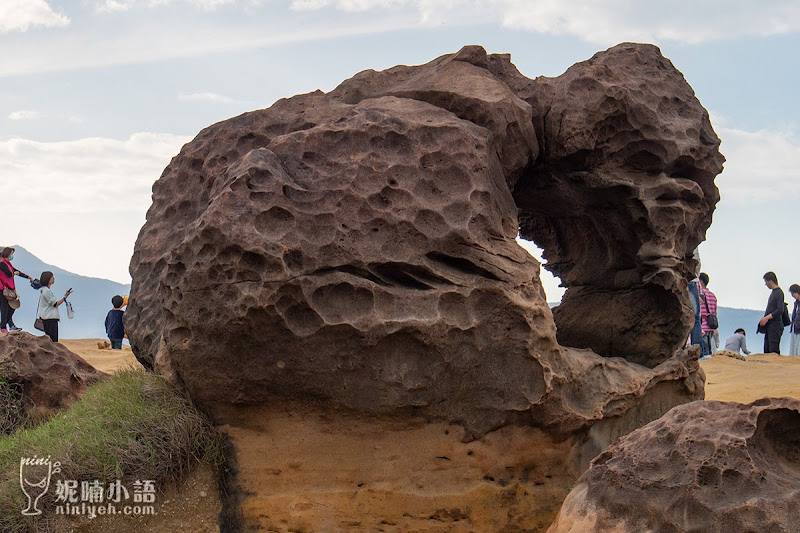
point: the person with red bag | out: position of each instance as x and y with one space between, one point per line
7 305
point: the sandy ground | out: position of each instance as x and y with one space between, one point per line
106 360
759 375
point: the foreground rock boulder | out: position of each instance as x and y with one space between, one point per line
356 251
707 466
50 376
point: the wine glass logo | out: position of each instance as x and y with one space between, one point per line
34 480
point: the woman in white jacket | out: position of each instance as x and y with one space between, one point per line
48 305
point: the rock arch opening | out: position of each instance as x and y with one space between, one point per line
551 284
620 194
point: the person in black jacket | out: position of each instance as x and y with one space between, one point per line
114 328
772 322
794 327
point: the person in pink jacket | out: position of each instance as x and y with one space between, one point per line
7 273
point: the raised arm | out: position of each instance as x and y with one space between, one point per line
50 298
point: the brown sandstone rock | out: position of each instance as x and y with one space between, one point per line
358 250
728 353
706 466
462 84
624 190
51 376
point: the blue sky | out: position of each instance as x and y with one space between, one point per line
96 96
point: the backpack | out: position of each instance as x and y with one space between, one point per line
785 318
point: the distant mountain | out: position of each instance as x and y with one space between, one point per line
91 298
731 319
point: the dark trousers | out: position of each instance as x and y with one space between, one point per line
116 344
772 338
708 342
51 328
696 333
6 312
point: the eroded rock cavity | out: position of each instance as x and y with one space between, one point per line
708 466
357 250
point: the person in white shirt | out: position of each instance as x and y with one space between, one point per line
48 305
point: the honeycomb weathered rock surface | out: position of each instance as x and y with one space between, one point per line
360 246
705 466
51 376
357 250
621 196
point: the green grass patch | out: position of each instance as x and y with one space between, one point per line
134 426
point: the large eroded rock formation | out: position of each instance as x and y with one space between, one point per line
708 466
358 248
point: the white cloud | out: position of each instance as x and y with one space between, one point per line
205 97
689 21
29 114
603 21
111 6
87 175
761 165
429 12
192 33
80 204
26 114
550 283
21 15
364 5
124 5
309 5
202 4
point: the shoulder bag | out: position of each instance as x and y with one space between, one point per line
39 323
711 320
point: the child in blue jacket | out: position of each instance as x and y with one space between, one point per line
114 328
